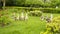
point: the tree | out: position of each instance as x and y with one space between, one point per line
1 4
34 3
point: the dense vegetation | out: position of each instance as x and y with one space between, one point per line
53 27
47 6
33 3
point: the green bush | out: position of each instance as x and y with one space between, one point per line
44 10
5 19
50 10
35 13
53 27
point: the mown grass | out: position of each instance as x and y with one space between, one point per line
32 26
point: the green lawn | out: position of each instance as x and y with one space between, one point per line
32 26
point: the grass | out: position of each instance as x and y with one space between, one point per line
32 26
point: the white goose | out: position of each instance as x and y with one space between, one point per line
26 17
42 17
22 16
13 16
17 17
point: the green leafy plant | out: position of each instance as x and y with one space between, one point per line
35 13
53 27
5 20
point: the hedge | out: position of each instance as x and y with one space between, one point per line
50 10
45 10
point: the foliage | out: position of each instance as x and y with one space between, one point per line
53 27
44 10
50 10
1 4
35 13
5 19
33 3
10 2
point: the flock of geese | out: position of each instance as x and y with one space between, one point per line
48 19
25 17
20 17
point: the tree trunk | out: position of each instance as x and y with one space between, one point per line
3 4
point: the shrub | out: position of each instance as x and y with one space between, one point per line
50 10
4 19
44 10
53 27
35 13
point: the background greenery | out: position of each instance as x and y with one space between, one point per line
33 3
